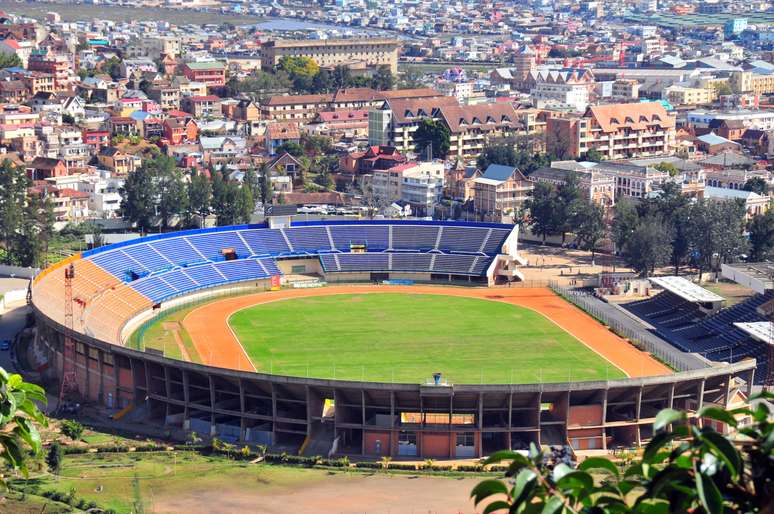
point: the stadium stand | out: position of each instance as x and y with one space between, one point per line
713 335
118 281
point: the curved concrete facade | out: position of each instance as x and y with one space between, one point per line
373 419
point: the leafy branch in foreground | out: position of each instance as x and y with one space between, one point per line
18 415
684 468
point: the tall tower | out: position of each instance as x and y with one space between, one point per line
69 382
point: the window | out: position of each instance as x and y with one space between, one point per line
466 439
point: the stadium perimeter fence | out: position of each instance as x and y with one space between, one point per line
630 329
136 339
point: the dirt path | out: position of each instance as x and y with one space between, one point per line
174 328
355 494
218 346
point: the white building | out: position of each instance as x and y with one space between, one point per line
761 120
419 184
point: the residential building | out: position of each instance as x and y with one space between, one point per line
118 162
356 53
500 192
472 127
617 131
210 73
420 184
202 106
683 95
597 186
625 89
396 121
279 133
180 130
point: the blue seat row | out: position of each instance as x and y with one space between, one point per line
132 261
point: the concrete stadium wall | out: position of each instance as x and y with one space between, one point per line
286 410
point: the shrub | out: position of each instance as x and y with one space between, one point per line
72 429
682 469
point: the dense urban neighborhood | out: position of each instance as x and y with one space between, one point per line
359 256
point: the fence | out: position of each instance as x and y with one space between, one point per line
630 329
136 339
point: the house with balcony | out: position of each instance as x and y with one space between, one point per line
500 192
211 73
617 131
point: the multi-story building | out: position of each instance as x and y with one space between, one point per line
167 96
420 184
761 120
356 53
750 82
472 127
396 121
306 107
211 73
683 95
617 131
500 192
598 187
55 64
625 89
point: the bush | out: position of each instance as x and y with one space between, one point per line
683 468
72 429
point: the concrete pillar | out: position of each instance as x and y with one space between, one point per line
167 392
604 418
213 432
242 428
186 396
700 401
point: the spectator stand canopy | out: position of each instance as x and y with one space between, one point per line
689 291
758 276
760 330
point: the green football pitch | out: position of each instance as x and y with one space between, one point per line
405 338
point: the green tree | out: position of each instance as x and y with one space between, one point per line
72 429
55 457
723 88
757 185
199 196
267 188
112 67
138 200
172 197
291 147
30 242
298 66
341 77
625 221
594 155
253 182
682 469
568 202
19 415
542 207
383 79
591 227
761 228
667 167
10 61
648 246
433 134
504 154
411 78
245 204
13 192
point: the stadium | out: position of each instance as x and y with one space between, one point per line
367 338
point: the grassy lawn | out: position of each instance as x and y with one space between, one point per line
731 291
160 336
136 482
406 337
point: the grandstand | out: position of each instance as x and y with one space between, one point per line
691 319
116 288
123 279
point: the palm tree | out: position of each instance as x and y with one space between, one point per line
385 461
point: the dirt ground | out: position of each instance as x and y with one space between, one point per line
218 346
335 494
